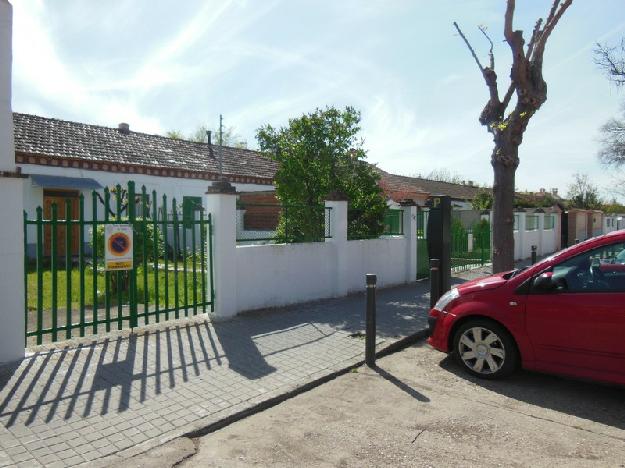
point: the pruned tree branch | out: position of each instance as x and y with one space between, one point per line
477 60
490 52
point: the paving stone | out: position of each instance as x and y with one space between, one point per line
88 402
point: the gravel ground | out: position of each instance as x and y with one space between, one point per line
419 409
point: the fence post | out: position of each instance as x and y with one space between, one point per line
435 281
371 281
338 232
221 204
410 234
12 312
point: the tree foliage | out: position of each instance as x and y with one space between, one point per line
507 126
320 154
483 200
584 194
229 136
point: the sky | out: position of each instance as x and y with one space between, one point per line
164 65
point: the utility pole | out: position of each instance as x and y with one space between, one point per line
221 130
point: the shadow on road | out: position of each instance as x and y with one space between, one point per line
587 400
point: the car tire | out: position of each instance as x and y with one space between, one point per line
485 349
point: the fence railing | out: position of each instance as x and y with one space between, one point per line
364 224
470 247
273 223
68 290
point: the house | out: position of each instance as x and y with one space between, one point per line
62 160
419 190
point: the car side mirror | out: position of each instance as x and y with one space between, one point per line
544 282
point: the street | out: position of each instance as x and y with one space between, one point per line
419 409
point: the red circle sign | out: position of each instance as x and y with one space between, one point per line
119 244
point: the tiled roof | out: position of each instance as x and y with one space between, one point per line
398 183
53 138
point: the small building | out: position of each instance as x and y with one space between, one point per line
63 160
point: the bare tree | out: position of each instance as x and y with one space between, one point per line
612 151
612 61
508 126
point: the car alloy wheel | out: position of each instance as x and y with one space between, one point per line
481 350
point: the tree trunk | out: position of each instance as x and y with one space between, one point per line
504 163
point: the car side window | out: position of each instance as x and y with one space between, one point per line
598 270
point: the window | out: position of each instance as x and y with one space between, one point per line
531 222
549 222
190 205
598 270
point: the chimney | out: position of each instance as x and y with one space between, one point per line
470 183
554 191
542 190
123 128
208 137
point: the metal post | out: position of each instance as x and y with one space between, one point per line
533 254
435 281
370 331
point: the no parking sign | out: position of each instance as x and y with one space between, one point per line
118 249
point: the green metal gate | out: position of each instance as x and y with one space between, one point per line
423 258
470 246
68 291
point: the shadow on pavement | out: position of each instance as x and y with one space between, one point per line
572 397
79 379
401 385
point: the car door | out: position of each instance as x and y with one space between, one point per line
579 323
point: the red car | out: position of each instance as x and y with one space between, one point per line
563 315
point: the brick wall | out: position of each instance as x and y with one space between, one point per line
262 211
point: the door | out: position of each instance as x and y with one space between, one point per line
59 197
580 322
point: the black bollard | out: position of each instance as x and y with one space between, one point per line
370 332
435 281
577 241
533 254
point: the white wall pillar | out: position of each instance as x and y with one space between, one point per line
541 233
221 204
11 211
521 235
338 231
410 233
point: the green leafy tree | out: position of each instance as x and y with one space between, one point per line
321 154
483 200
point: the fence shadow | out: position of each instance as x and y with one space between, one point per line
121 373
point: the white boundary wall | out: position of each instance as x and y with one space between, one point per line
275 275
547 241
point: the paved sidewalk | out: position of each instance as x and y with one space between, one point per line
89 400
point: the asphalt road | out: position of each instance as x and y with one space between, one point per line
419 409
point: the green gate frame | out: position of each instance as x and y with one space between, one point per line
155 223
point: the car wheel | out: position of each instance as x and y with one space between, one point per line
485 349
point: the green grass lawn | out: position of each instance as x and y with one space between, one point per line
143 294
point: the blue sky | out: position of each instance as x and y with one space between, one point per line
163 65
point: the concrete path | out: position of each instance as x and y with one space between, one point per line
88 401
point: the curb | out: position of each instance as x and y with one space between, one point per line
271 402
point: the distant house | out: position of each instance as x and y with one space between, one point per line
418 189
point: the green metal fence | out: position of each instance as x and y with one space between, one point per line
423 258
470 247
68 291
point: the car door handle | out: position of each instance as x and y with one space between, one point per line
512 303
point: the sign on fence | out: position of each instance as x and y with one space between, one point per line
118 249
